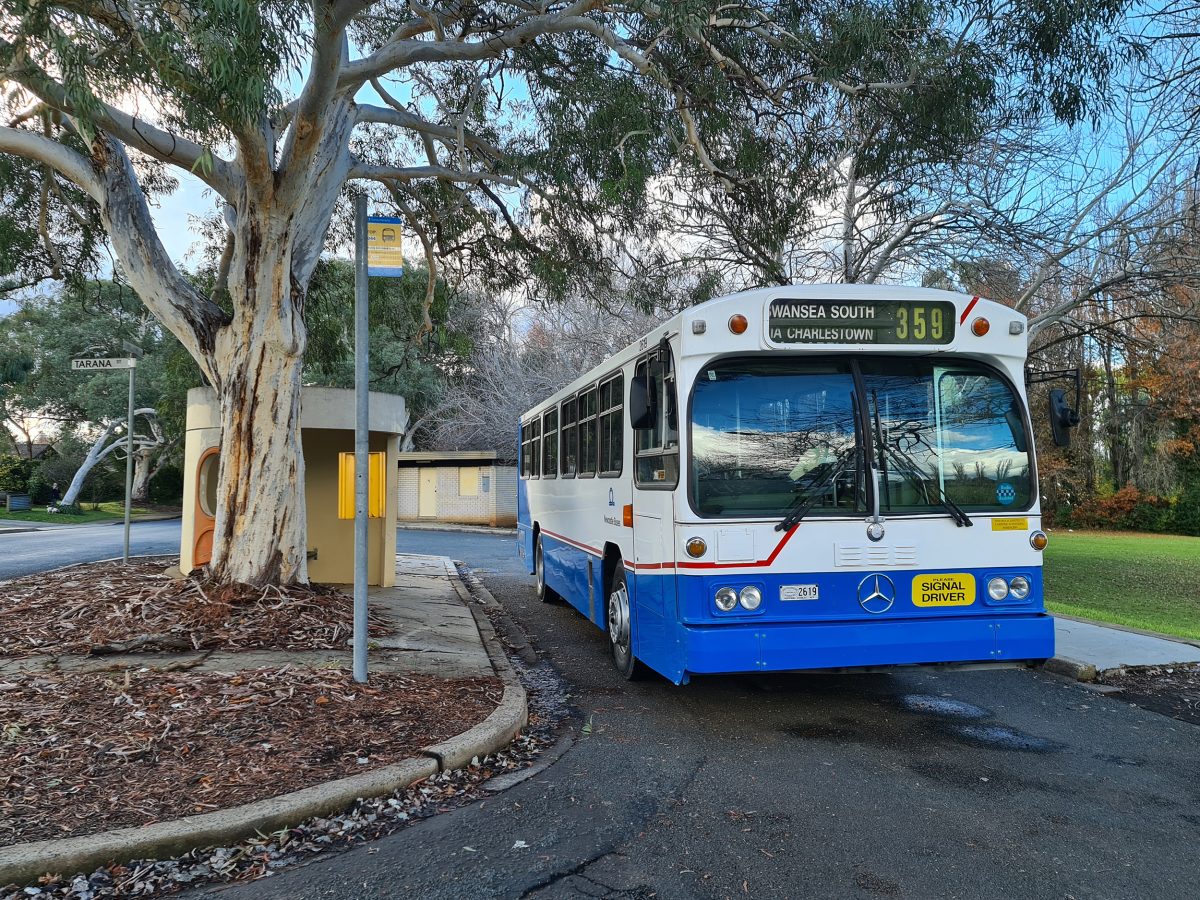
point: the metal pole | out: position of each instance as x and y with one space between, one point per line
129 459
361 446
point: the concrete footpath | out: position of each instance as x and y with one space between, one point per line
1083 649
438 628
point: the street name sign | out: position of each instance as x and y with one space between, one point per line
385 257
102 364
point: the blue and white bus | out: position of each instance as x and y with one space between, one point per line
800 478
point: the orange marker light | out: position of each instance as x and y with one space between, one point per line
627 515
696 547
1038 540
738 323
980 327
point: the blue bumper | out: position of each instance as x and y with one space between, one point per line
775 647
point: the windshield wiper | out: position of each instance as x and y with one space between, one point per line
806 501
914 473
911 470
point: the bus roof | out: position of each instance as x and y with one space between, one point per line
828 318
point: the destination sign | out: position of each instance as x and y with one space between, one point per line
102 364
860 322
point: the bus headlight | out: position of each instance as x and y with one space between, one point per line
997 588
1019 587
750 597
726 599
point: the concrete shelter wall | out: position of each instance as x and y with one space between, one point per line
327 429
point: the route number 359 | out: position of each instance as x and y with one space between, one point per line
919 323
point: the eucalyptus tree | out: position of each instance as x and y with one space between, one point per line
520 138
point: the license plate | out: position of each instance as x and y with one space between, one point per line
798 592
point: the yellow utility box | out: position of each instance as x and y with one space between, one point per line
376 496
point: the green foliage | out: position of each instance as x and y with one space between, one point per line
212 64
27 191
400 362
1185 515
87 319
14 474
167 486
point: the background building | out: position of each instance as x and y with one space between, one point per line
471 487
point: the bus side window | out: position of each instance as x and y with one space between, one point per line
611 420
535 448
587 432
550 444
656 448
523 441
568 457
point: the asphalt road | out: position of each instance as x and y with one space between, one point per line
975 784
25 552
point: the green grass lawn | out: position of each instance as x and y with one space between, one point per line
106 513
1149 581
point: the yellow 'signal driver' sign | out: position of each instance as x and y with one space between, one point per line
952 589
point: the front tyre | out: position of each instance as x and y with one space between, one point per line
544 592
620 628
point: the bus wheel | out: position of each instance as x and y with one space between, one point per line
544 592
620 628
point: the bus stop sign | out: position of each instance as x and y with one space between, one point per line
385 256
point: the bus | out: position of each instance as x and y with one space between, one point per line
830 477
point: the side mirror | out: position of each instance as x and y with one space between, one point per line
641 412
1062 418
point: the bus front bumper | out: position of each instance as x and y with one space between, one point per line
782 647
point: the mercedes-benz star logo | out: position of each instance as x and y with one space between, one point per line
876 593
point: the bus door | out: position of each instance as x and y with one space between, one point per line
654 410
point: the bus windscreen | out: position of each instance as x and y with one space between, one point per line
765 431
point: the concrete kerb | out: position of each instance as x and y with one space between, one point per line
450 526
25 863
507 720
1071 668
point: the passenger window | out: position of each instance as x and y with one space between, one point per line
656 448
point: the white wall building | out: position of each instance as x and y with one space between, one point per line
463 486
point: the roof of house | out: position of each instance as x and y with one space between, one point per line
39 449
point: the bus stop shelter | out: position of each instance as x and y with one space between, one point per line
327 434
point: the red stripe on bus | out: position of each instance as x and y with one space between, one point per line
966 312
683 565
743 565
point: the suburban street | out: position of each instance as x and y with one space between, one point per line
25 552
973 784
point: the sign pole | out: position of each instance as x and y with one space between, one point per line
361 437
128 462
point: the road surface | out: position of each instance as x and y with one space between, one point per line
915 785
26 552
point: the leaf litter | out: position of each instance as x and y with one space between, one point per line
109 607
81 753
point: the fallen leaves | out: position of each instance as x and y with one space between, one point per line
81 753
107 608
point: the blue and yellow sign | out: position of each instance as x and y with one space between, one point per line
385 255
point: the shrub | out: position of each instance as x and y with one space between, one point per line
1128 509
167 486
14 474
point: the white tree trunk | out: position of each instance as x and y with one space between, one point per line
260 527
254 360
95 454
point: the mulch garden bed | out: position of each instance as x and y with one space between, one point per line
81 753
108 607
1171 690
